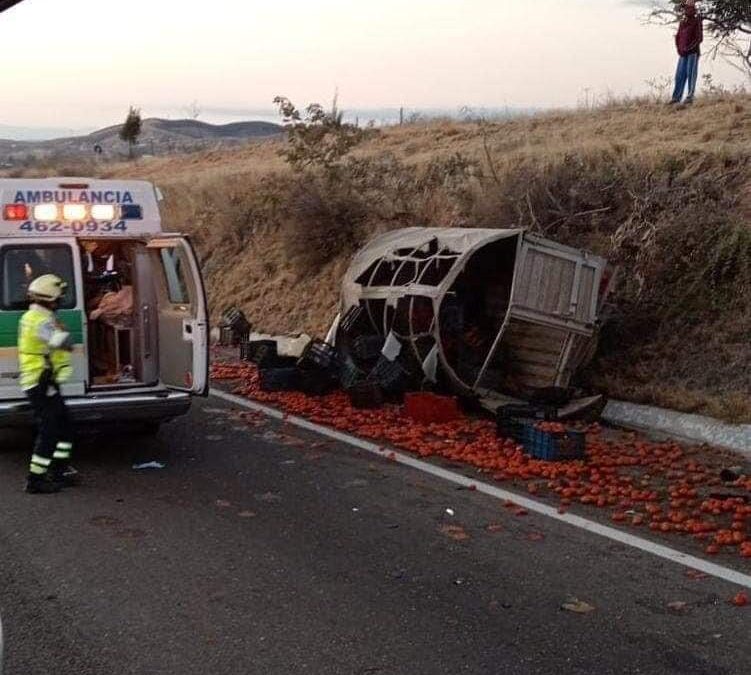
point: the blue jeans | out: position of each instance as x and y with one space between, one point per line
687 74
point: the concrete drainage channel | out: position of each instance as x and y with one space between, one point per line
681 426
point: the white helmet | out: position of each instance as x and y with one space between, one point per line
47 288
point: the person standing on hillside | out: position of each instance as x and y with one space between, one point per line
688 40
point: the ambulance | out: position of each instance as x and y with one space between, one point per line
135 304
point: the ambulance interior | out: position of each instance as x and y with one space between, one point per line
138 298
115 336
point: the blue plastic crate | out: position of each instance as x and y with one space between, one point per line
545 445
555 446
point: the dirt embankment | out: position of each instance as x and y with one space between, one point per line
664 193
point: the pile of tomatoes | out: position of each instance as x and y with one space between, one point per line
551 427
664 487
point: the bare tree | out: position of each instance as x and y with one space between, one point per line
317 137
727 21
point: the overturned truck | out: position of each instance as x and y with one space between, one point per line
483 311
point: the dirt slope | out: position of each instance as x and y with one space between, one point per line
665 193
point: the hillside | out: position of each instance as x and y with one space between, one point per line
158 137
665 193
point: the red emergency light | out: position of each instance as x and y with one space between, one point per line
15 212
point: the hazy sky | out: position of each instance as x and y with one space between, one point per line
80 63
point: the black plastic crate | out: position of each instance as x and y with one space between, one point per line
367 347
266 355
316 382
366 395
235 319
278 379
350 319
350 374
528 411
249 349
227 337
390 375
512 427
319 355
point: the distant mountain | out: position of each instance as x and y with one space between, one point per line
158 137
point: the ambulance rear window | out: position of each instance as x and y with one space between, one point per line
20 265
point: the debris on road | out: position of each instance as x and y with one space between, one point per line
741 599
149 465
677 606
577 606
455 532
657 485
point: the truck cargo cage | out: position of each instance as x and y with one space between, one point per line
366 395
485 311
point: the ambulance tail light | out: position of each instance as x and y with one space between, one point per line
131 212
46 212
15 212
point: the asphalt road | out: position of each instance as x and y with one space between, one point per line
263 550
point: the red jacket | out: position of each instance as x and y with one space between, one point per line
690 35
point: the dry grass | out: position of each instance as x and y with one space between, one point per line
666 193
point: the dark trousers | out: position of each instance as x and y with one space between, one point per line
52 420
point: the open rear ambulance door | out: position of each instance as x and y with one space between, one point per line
183 325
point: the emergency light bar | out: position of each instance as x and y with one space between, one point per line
46 213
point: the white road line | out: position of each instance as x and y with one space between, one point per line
658 550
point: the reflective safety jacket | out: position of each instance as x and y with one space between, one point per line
41 345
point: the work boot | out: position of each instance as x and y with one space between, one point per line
43 484
65 474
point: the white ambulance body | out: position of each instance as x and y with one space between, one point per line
135 303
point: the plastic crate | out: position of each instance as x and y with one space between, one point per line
528 411
265 355
555 446
428 408
390 375
315 382
226 337
319 355
350 374
350 319
235 319
249 349
367 347
366 395
278 379
550 446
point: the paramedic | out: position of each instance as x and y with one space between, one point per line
45 360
